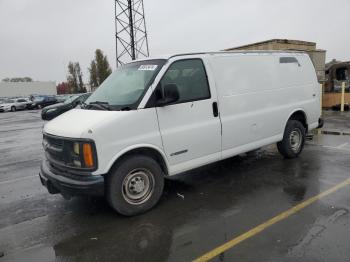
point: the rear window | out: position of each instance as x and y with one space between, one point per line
289 60
39 99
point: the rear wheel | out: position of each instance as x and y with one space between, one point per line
13 108
135 185
293 139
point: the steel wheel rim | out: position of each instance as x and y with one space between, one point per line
295 140
138 186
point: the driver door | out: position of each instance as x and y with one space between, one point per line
190 128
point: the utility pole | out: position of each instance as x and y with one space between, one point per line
130 28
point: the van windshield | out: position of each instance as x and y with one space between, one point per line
124 88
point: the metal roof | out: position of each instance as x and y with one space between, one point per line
223 53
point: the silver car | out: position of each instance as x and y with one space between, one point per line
13 104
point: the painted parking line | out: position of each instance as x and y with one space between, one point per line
258 229
17 179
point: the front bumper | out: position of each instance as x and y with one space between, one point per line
69 184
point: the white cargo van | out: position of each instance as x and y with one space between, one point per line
160 117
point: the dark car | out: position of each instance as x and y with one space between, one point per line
42 101
50 112
62 98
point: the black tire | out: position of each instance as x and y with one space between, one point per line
13 108
122 185
288 147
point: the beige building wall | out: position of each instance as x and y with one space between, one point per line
24 89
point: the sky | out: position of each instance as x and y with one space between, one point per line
39 37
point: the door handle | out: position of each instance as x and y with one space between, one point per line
215 109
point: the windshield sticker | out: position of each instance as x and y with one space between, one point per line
148 67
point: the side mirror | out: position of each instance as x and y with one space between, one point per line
171 95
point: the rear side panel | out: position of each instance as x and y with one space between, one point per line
257 94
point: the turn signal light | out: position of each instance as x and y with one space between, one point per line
88 156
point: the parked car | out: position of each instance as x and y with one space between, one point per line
156 118
42 101
27 102
62 98
13 104
50 112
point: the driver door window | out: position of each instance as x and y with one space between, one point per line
190 78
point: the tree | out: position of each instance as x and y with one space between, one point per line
99 69
75 78
18 79
63 88
93 74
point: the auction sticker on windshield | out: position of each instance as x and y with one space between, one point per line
148 67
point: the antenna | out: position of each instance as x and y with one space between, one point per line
130 28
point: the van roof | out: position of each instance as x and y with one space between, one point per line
226 52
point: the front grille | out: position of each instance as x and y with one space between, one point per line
55 142
58 150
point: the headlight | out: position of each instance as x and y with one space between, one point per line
83 155
76 148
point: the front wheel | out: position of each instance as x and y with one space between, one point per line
293 139
13 108
135 185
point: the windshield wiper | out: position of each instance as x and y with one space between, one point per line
125 108
100 105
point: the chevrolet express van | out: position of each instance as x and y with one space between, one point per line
156 118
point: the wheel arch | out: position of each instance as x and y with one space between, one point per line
300 115
146 150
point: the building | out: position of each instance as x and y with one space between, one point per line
318 56
337 72
24 89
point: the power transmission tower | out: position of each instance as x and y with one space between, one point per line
131 34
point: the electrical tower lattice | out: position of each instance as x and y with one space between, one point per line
131 34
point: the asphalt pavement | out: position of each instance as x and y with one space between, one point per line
199 211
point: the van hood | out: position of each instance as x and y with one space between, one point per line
80 123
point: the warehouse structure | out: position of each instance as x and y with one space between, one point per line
337 72
24 89
318 56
